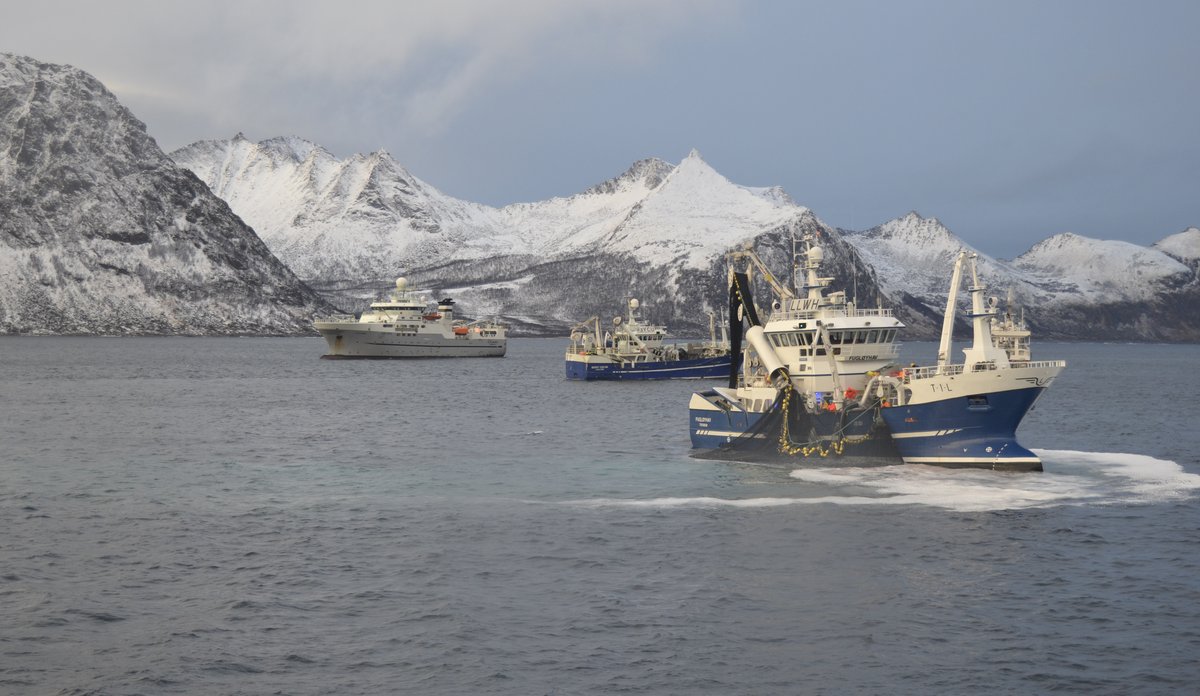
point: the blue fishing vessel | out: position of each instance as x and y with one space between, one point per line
633 349
818 379
801 389
966 414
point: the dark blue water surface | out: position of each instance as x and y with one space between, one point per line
236 516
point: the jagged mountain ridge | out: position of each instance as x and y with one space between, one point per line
912 253
102 233
659 232
498 260
1077 287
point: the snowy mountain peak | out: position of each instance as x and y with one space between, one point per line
1184 246
696 214
1062 240
916 233
289 147
695 164
356 219
1069 247
647 174
913 254
915 218
1102 270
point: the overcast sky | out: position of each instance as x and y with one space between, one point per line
1009 121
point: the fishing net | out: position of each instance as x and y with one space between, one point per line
790 432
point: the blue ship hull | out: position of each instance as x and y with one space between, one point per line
692 368
716 429
853 438
976 432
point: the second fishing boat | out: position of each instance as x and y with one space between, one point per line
633 349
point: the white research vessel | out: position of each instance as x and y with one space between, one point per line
404 326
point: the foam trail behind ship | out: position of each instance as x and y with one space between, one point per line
1070 478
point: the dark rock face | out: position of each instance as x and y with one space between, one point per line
559 293
101 233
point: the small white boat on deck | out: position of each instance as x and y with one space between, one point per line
407 325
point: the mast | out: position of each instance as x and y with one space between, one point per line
833 370
814 283
795 290
948 320
983 349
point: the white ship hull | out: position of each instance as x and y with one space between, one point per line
356 340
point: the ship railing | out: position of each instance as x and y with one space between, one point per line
335 317
1040 363
914 373
917 373
814 314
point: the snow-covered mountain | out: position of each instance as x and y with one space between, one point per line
1183 247
1075 287
362 218
658 232
349 226
911 254
1078 269
101 233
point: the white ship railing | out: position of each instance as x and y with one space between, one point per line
915 373
815 314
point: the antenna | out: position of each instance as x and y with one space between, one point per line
854 274
792 234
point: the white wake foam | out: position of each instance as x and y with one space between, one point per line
687 502
1070 478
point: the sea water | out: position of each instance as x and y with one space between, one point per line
236 516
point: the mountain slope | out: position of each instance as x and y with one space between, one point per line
364 218
1183 247
100 232
1102 271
